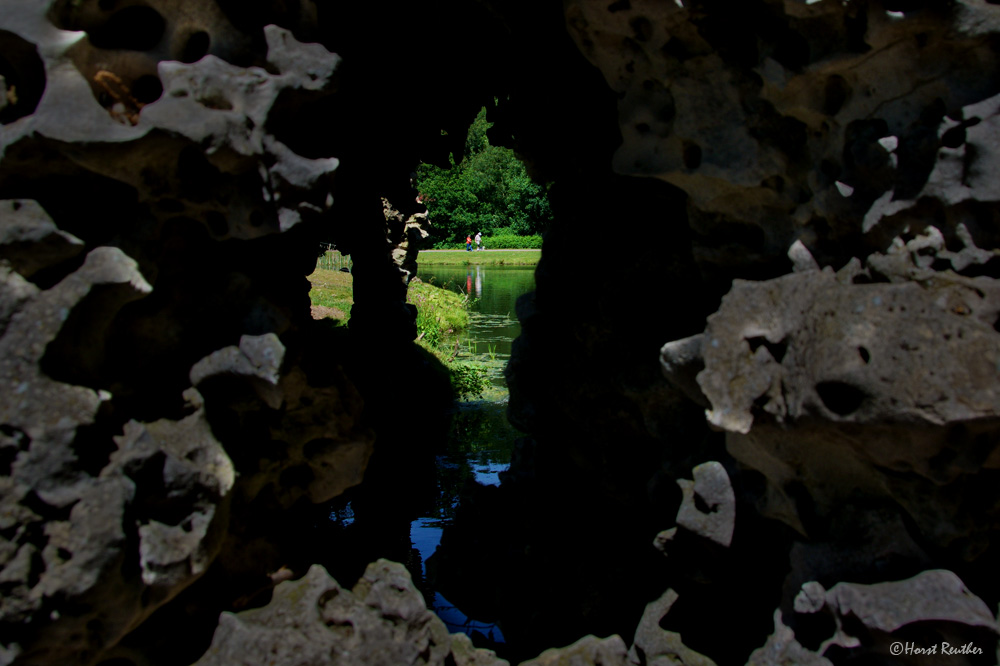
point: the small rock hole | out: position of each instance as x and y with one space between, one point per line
954 137
840 398
621 5
702 505
195 47
777 349
135 28
692 155
24 77
147 89
835 94
865 356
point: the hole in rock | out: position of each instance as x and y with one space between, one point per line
702 505
195 47
840 398
835 94
865 356
147 89
777 349
46 510
24 77
134 28
691 154
811 629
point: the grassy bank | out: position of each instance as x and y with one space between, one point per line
332 294
489 257
441 316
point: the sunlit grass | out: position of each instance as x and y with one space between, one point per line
491 258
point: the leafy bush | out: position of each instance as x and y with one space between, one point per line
487 190
512 242
439 311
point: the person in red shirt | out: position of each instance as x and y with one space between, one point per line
468 243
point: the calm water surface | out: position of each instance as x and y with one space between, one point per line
481 440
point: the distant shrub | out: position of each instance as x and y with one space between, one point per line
513 242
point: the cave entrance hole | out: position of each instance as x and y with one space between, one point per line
465 300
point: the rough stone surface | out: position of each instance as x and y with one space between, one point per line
932 611
782 648
713 490
73 507
315 622
938 596
137 171
843 351
654 645
820 175
588 651
407 235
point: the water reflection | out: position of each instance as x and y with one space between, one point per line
496 290
479 448
480 442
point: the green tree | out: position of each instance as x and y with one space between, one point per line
488 191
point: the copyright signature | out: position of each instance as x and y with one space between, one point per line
944 647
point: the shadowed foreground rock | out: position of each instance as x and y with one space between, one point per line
792 203
315 622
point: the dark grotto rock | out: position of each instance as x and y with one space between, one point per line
758 376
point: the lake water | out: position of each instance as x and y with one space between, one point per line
493 323
481 440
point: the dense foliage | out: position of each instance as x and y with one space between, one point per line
504 239
488 191
439 311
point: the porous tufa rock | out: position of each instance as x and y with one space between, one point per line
179 541
315 622
653 644
712 486
84 504
783 649
852 353
588 651
866 617
802 259
258 359
680 362
799 143
325 449
30 240
905 360
937 595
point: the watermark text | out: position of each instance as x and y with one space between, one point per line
942 648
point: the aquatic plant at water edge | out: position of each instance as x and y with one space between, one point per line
439 312
469 381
